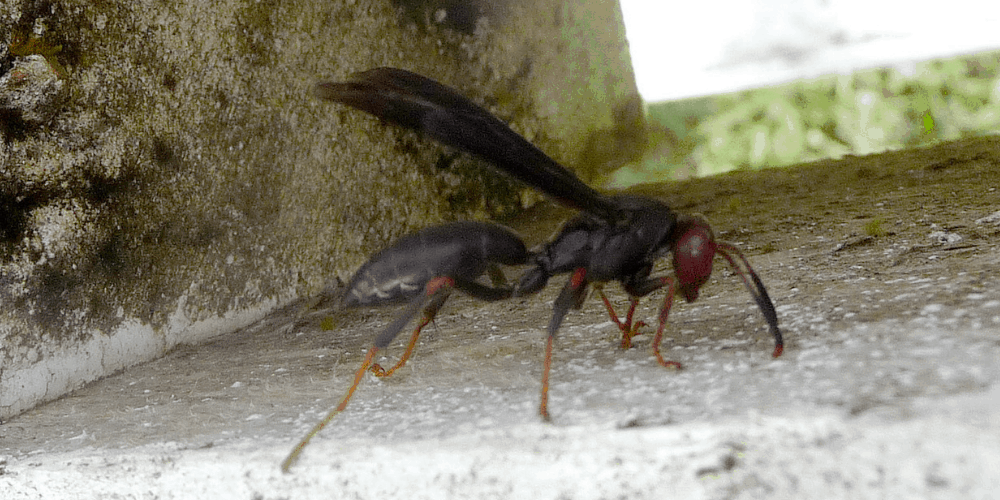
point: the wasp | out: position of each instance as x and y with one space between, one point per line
613 238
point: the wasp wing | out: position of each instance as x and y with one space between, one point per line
419 103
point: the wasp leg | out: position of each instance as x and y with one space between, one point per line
628 329
571 296
294 455
437 292
668 301
645 287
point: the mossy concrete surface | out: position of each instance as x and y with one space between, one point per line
889 385
166 174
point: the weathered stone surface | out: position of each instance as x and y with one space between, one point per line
172 178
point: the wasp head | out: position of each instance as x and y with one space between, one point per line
693 254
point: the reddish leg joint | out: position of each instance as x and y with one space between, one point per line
438 283
382 372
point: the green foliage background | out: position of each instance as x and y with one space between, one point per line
861 113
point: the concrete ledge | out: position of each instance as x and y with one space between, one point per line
889 386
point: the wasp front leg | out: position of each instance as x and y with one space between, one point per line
644 286
627 328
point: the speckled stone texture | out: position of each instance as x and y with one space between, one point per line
166 174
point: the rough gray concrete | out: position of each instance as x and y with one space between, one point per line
166 175
883 270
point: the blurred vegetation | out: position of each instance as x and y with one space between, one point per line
861 113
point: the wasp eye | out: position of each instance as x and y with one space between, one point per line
693 260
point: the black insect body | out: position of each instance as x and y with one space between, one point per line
614 238
462 250
421 269
625 251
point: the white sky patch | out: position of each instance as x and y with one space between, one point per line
687 49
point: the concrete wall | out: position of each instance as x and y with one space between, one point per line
166 176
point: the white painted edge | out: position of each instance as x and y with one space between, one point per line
69 366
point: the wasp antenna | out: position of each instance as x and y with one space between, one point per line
756 288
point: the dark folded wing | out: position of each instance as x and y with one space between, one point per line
419 103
